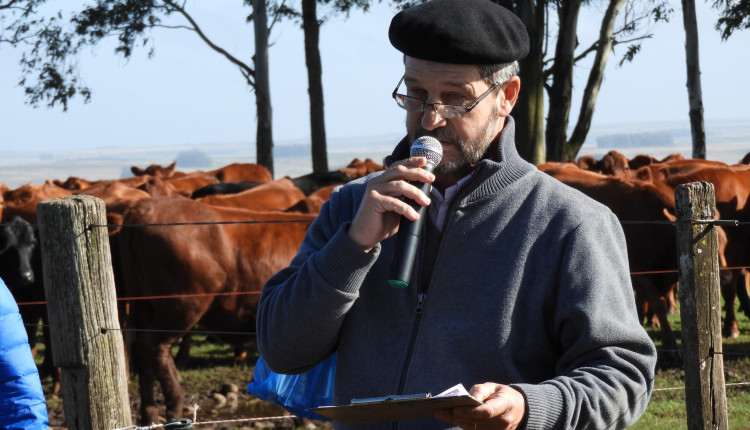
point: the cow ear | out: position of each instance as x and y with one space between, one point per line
644 174
668 215
137 171
170 169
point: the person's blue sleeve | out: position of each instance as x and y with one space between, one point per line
22 404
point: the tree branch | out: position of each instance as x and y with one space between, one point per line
276 16
594 46
184 27
244 68
9 5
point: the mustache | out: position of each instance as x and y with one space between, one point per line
438 133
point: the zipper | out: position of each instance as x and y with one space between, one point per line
422 296
420 303
418 310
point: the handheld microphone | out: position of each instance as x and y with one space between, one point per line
409 231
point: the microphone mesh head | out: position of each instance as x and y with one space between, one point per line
428 147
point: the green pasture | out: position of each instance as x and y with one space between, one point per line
666 410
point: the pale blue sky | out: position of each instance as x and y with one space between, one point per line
188 94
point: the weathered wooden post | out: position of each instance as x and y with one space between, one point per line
700 307
82 305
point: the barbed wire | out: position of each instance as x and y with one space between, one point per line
240 293
731 384
186 423
717 222
171 224
158 330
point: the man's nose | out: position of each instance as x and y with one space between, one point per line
431 119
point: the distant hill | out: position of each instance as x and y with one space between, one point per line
635 140
291 158
727 141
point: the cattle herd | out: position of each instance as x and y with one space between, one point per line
209 240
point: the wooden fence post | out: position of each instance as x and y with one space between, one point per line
82 306
700 307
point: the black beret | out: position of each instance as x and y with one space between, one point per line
460 32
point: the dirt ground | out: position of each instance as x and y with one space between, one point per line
222 403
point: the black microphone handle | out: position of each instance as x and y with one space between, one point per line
407 241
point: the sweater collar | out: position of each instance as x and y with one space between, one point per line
508 167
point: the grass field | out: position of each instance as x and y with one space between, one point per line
666 410
211 371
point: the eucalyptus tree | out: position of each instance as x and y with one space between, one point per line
692 63
311 23
49 65
550 72
734 15
623 22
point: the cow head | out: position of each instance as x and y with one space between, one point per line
17 243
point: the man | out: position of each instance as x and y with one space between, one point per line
520 288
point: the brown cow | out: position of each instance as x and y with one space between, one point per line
186 184
279 194
157 171
661 171
615 164
196 259
235 172
22 201
73 183
242 172
588 162
314 202
358 168
732 191
116 195
641 160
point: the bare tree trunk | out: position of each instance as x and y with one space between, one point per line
561 91
590 93
264 135
311 28
695 95
529 110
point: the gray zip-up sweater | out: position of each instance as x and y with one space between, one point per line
529 288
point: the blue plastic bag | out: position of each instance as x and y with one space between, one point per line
296 393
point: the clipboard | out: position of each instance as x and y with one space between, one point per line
393 408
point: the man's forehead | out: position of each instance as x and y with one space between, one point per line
416 70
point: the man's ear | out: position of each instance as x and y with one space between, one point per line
510 91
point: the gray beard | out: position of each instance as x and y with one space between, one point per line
469 152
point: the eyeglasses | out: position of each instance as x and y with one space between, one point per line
413 104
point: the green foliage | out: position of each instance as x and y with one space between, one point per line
48 74
735 15
129 20
50 67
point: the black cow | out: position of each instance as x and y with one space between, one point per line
20 268
17 243
223 188
314 181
